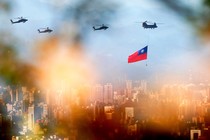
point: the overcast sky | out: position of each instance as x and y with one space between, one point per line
172 48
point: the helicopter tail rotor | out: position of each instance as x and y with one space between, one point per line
11 21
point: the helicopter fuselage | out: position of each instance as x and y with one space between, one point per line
100 28
19 21
146 26
45 31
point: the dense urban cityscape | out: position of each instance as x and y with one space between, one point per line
104 70
124 110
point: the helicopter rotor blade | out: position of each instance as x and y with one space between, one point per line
154 22
101 24
150 22
45 28
20 18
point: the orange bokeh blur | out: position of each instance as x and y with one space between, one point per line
63 65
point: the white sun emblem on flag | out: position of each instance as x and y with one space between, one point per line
142 51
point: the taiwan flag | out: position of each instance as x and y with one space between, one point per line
138 55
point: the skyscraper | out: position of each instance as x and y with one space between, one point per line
108 93
129 89
25 104
31 118
97 93
144 86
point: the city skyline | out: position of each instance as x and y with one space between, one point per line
184 107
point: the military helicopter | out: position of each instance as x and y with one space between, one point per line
149 26
20 19
101 27
45 30
152 25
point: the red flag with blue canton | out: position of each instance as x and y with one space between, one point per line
138 55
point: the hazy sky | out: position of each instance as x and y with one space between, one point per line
172 48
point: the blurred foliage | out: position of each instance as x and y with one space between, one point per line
86 13
198 17
92 11
207 2
12 71
7 64
5 5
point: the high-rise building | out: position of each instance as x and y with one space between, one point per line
97 93
108 93
25 104
14 93
129 89
45 110
31 97
19 93
144 86
31 118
